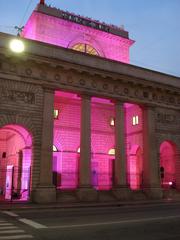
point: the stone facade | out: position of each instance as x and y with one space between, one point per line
28 83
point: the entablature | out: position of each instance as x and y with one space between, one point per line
113 81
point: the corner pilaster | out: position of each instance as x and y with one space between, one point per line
46 192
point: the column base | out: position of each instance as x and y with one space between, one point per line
153 192
44 194
87 194
122 193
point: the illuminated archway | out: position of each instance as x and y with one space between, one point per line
15 164
135 167
168 152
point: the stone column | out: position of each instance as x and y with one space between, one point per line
85 191
120 189
151 166
46 192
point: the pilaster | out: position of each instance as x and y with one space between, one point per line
151 166
120 189
85 191
45 192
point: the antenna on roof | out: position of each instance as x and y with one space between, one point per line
42 2
19 30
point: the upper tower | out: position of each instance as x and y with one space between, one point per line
54 26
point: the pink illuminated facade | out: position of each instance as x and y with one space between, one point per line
63 29
78 122
15 165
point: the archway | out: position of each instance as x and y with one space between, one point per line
168 152
15 162
135 167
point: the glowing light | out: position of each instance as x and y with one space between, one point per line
135 120
112 122
79 150
55 148
56 113
170 183
111 151
17 46
86 48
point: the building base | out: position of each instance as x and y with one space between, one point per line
87 194
44 194
122 193
153 193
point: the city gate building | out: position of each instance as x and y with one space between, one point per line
78 122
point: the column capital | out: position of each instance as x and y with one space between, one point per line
85 96
48 89
118 102
148 106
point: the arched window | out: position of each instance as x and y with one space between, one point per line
86 48
111 151
55 148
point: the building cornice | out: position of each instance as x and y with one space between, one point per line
58 68
81 20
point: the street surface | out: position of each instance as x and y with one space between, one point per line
139 222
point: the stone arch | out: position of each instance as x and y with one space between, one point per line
12 117
17 144
169 164
167 137
135 167
22 121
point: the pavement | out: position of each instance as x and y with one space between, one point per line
132 220
29 205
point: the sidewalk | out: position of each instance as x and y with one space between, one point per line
25 206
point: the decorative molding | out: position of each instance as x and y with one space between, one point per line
61 75
167 118
10 95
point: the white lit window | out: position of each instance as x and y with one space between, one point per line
111 151
56 113
55 148
86 48
112 121
78 150
135 120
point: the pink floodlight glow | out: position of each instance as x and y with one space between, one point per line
16 142
67 140
168 162
53 30
26 173
134 144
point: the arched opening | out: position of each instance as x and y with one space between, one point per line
86 48
135 167
168 152
111 154
15 162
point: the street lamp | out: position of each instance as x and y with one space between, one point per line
17 45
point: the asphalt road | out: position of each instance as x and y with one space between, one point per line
142 222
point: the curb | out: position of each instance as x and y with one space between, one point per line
29 206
